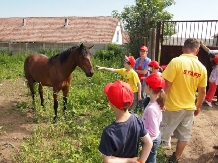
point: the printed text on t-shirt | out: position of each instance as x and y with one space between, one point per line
191 73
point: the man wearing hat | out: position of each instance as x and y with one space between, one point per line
141 66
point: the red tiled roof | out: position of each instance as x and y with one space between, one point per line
52 29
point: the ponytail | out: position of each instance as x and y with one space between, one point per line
160 69
161 99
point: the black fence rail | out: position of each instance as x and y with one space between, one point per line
171 35
176 32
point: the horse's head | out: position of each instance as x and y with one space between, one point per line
84 60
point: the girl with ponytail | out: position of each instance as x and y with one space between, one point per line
152 115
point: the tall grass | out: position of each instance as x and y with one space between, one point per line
75 138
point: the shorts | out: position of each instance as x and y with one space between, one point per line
178 122
134 103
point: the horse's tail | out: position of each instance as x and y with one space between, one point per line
26 68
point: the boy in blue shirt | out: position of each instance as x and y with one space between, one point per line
120 140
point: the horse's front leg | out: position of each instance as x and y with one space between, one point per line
41 94
65 93
55 106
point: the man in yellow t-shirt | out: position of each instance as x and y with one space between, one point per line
184 75
130 77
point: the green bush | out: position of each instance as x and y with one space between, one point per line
113 51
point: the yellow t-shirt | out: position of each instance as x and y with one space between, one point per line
129 77
186 73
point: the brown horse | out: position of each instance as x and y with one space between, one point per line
56 71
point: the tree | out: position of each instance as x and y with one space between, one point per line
140 18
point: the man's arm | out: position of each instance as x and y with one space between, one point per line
200 99
142 71
167 86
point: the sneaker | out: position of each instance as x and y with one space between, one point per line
208 103
173 159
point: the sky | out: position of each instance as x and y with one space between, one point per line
182 10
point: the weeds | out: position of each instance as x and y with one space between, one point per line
75 138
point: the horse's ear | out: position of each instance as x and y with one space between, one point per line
89 47
81 46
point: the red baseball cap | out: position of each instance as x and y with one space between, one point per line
119 94
216 59
155 81
144 48
164 67
154 64
131 60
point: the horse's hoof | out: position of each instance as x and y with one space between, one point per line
55 120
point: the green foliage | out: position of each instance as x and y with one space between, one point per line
49 52
140 18
75 138
11 65
113 51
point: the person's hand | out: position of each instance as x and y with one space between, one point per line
100 68
163 109
197 112
139 98
133 160
201 43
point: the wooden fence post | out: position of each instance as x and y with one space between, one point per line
152 43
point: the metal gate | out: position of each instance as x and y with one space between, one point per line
171 36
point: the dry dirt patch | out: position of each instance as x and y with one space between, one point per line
16 125
204 137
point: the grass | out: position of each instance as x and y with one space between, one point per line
75 138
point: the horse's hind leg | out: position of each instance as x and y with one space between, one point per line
41 94
31 87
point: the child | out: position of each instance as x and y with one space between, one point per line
213 82
130 77
152 115
211 53
120 140
154 68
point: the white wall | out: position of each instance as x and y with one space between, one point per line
117 38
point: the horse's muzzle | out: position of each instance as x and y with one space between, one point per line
89 74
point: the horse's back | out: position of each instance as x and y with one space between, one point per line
35 61
36 66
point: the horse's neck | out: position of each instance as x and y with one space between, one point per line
69 66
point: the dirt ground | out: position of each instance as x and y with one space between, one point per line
16 125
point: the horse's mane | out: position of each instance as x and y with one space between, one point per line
65 54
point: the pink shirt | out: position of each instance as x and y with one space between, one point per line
151 118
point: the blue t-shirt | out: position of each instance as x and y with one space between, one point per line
144 64
122 139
